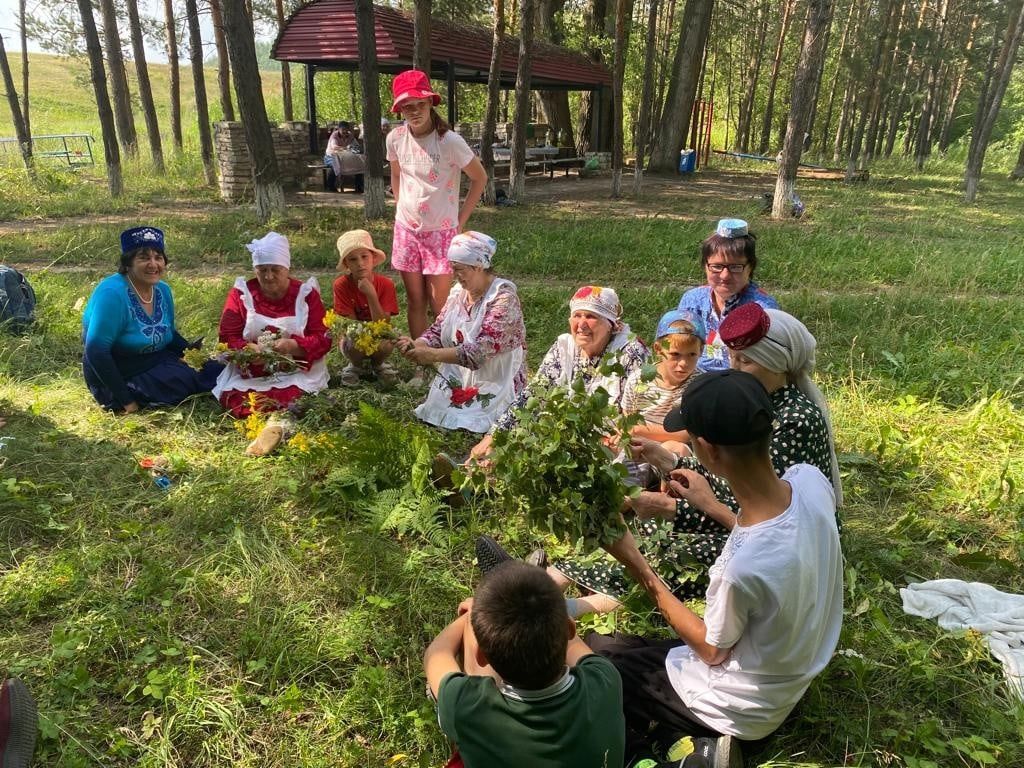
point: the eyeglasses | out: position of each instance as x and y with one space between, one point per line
734 269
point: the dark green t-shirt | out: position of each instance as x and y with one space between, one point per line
576 723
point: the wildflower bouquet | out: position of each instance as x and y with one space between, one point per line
365 336
246 358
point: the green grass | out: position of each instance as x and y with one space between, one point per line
274 612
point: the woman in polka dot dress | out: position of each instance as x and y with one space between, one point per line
681 535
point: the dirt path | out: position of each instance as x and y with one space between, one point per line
572 192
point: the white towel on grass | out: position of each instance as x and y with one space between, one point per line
999 616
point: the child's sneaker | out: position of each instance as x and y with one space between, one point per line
386 374
490 554
19 724
349 376
703 752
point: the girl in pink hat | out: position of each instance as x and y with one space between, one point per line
427 161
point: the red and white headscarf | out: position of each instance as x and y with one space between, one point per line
601 301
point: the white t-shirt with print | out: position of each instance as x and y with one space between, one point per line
432 165
776 598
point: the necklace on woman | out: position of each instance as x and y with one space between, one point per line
137 293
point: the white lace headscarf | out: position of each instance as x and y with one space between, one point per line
788 347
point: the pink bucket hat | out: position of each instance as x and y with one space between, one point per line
412 84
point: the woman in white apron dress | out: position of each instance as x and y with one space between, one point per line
477 343
272 303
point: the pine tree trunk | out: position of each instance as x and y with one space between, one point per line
988 111
25 102
958 85
682 89
24 142
145 88
1018 173
286 73
805 80
118 81
374 203
266 176
421 35
517 172
623 12
900 107
766 126
174 73
111 153
594 29
493 98
879 102
227 109
922 145
195 44
749 87
869 98
554 104
646 96
844 121
827 127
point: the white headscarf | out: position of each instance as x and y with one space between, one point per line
788 348
475 249
272 248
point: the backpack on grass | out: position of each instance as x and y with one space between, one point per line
17 299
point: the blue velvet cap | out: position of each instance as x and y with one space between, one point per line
732 228
674 316
142 237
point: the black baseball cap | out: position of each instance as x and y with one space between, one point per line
725 408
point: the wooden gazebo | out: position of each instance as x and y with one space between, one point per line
322 36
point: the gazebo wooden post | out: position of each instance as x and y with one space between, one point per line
314 130
453 114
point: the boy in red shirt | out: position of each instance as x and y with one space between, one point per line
364 295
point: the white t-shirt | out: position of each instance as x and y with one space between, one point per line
776 598
431 173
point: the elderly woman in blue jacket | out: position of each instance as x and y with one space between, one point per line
133 352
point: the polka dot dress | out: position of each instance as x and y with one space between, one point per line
681 551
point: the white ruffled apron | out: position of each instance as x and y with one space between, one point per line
312 380
495 377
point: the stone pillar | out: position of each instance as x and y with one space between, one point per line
235 165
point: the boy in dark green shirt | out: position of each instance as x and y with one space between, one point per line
531 693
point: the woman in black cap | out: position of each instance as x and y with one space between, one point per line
133 352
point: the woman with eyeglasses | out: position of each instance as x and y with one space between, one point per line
729 258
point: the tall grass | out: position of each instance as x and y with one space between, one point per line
274 612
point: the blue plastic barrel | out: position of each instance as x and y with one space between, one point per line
687 161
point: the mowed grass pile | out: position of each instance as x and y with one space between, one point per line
274 612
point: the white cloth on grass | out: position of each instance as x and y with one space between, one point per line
999 616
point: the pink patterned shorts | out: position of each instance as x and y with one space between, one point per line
423 252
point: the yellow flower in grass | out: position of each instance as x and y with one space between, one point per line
300 442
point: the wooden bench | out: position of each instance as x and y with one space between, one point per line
324 168
564 162
544 166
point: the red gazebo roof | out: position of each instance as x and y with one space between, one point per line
323 34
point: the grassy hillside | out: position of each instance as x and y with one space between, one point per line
62 98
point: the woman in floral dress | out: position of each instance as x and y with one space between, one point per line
477 342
